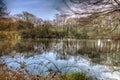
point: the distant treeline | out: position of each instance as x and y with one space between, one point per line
26 29
26 26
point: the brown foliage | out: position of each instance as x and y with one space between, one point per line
7 24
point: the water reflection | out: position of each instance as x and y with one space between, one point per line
99 51
90 56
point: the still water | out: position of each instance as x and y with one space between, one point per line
99 59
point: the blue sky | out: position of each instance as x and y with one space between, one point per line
45 9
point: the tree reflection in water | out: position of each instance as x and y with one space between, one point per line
99 51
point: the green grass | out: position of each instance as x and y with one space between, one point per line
75 76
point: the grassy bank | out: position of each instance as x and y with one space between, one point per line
13 75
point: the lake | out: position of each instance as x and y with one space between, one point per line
99 59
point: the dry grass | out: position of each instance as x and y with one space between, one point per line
17 76
10 74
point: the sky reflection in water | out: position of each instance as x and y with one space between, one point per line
39 64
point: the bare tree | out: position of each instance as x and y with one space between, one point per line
2 8
29 17
95 9
117 1
81 7
26 16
